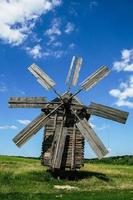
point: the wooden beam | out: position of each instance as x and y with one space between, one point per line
107 112
92 80
42 77
27 102
73 148
94 141
33 127
74 70
59 144
30 130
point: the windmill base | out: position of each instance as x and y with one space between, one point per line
73 154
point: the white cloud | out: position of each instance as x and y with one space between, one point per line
23 121
7 127
99 128
103 127
57 44
126 62
55 28
18 17
35 52
69 28
110 150
3 87
124 93
92 125
59 53
71 46
54 31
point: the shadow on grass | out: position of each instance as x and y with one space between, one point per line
89 174
79 175
47 176
69 175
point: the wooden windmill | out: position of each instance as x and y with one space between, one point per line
66 119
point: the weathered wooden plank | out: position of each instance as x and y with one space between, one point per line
78 63
30 130
42 77
92 80
94 141
73 148
108 112
28 99
73 72
27 102
33 128
69 76
59 147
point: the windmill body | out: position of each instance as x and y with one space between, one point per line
70 140
65 119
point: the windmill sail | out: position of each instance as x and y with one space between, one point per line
92 80
30 130
42 77
74 70
107 112
94 141
33 127
27 102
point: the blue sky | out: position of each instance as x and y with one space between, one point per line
49 33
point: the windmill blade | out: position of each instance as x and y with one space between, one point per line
92 80
42 77
33 127
59 142
26 102
94 141
74 70
30 130
107 112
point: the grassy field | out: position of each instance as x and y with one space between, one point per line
26 179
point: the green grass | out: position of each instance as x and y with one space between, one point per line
26 179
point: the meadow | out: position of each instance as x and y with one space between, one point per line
26 179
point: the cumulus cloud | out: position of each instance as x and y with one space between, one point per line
7 127
18 17
124 93
55 28
69 28
23 121
54 32
126 61
35 52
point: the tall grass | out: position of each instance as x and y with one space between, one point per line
22 178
